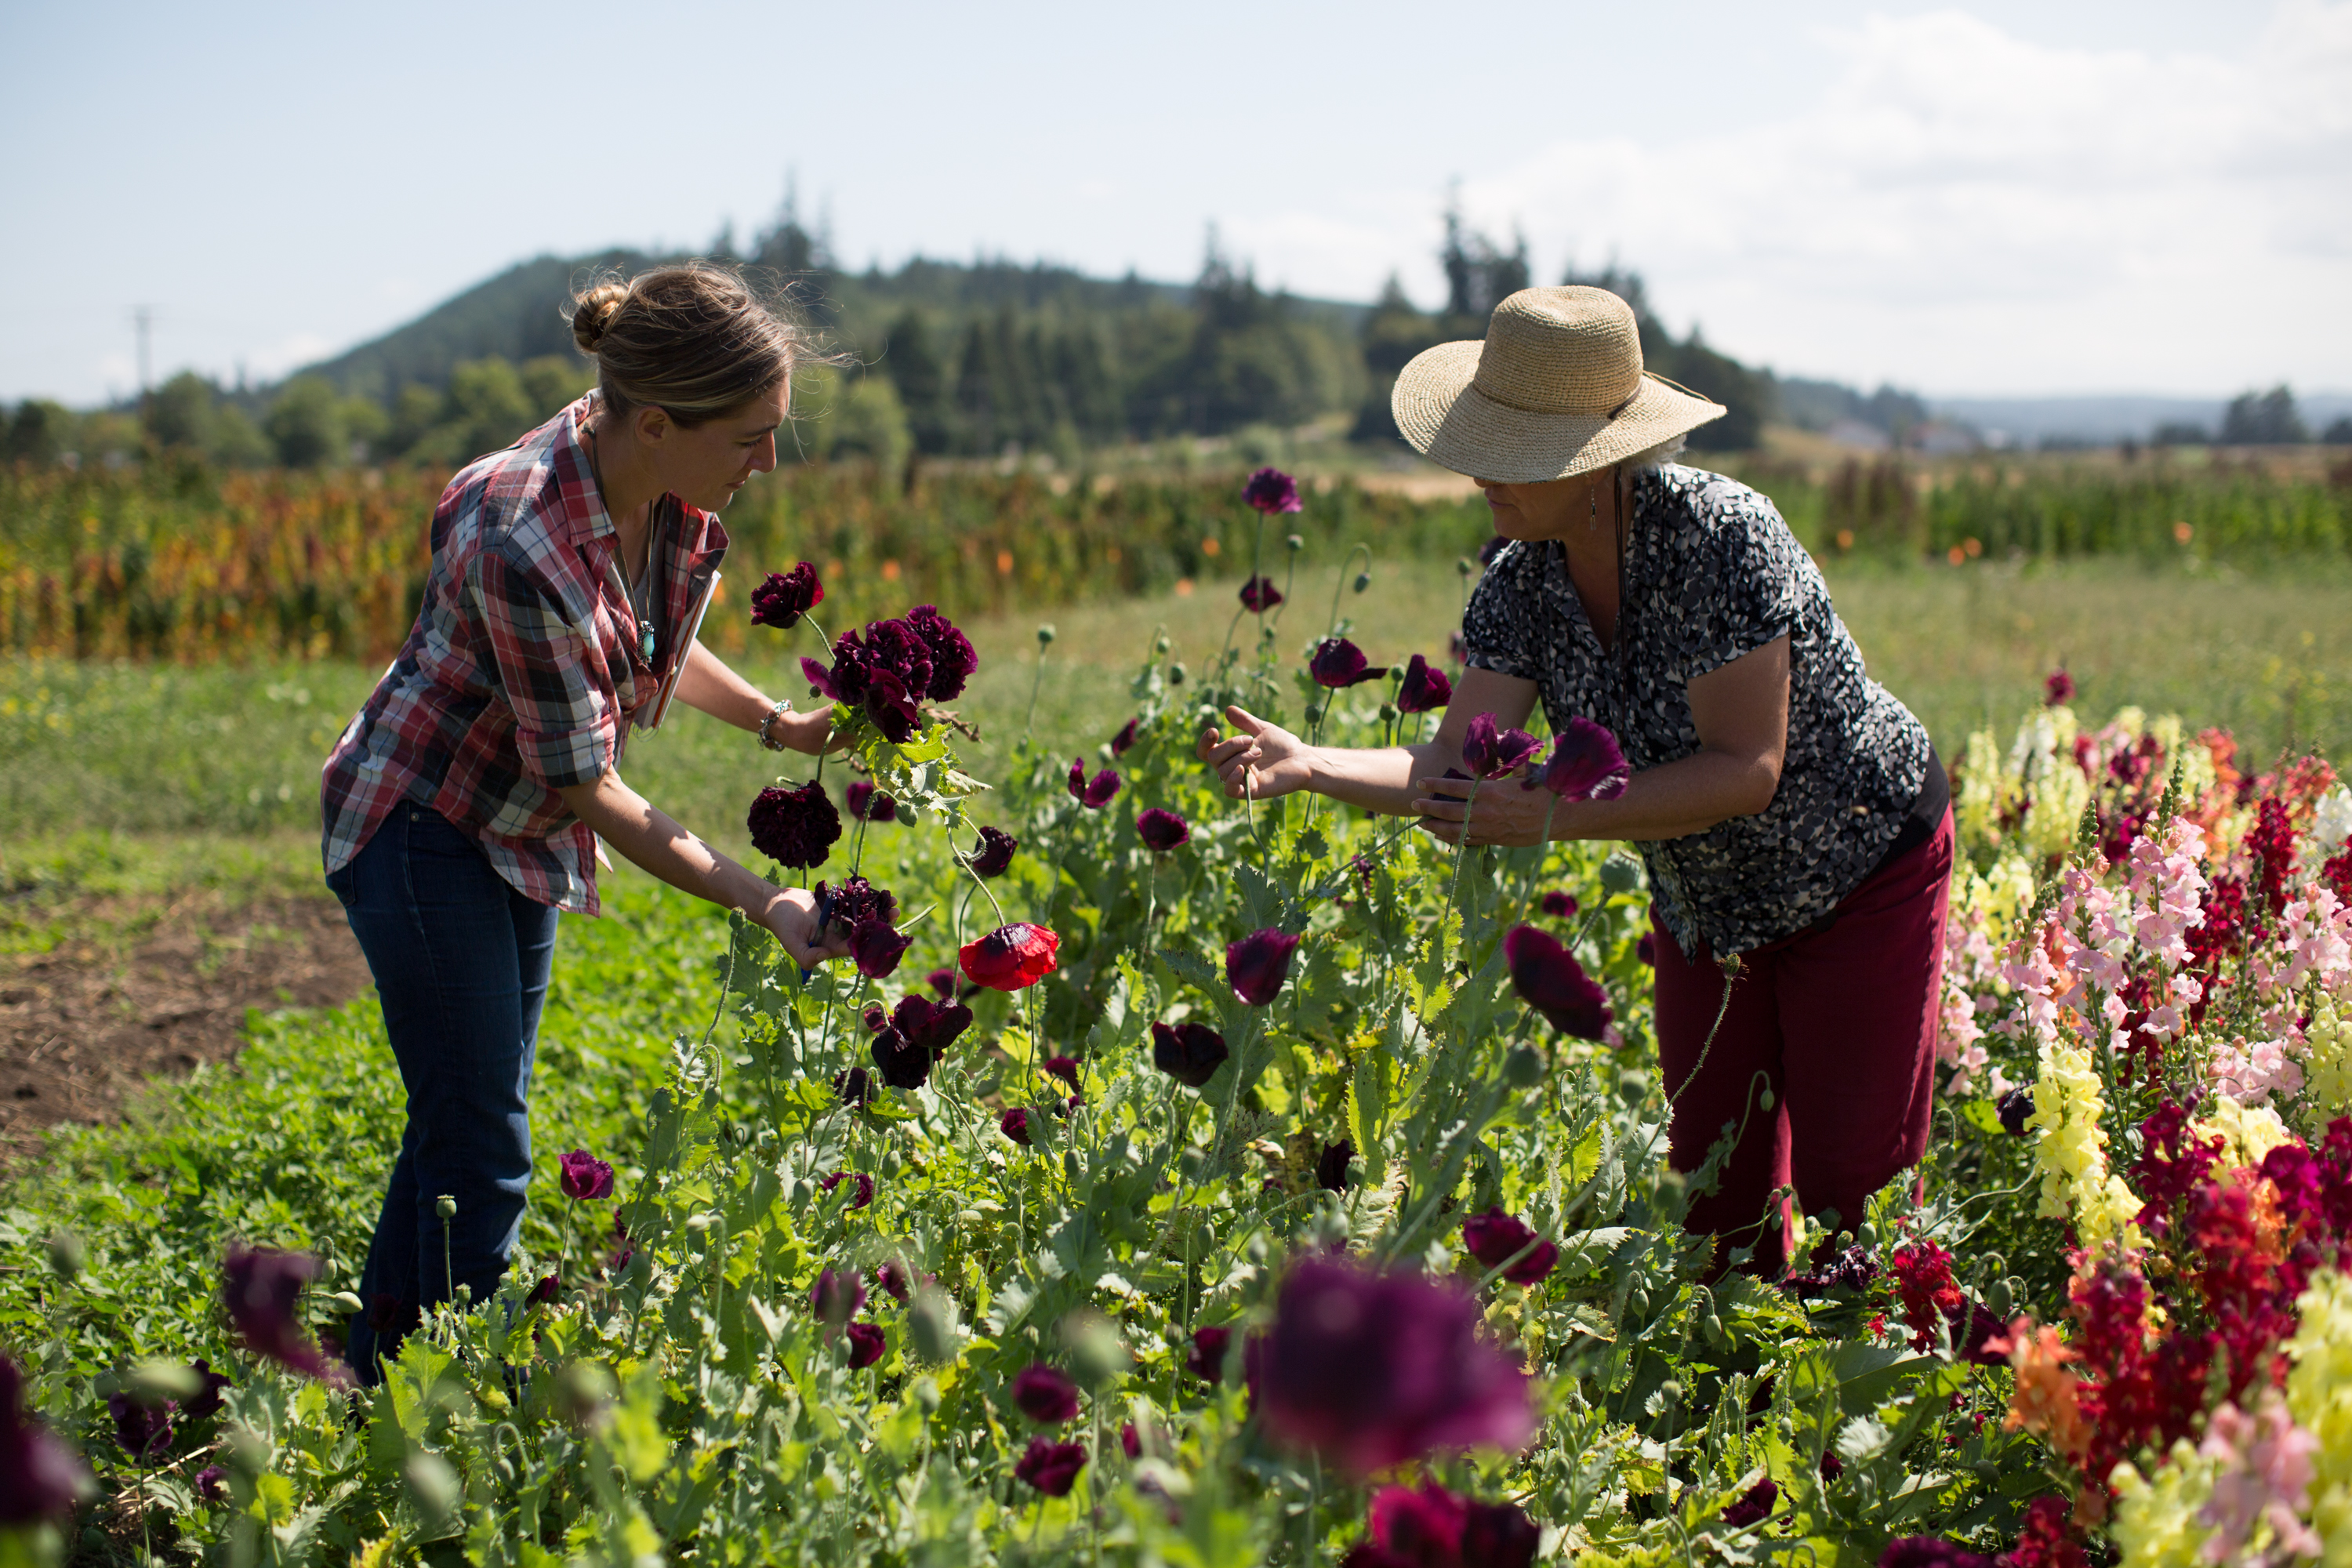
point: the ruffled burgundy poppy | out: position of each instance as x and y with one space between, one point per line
544 1293
1426 689
1338 663
1052 1468
1495 1238
894 1280
1124 739
1045 1394
794 827
1161 831
1014 1124
952 659
1560 904
2058 688
585 1176
1272 492
1258 963
1548 979
867 803
1932 1552
867 1343
259 1286
1188 1053
887 672
2015 1109
40 1477
865 1186
207 1401
785 597
1206 1358
943 982
1584 764
877 947
1433 1528
1011 957
140 1430
1259 594
853 903
1373 1369
836 1297
1490 752
934 1025
993 856
212 1484
1499 1535
856 1088
1064 1068
1331 1166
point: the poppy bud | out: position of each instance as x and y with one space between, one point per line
1045 634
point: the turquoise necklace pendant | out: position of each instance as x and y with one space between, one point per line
645 642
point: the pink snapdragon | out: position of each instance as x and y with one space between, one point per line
2265 1475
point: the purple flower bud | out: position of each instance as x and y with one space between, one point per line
1548 979
994 856
865 1186
1259 594
2058 688
259 1287
1426 689
866 1344
1093 793
1052 1468
585 1176
1258 963
952 659
212 1484
1188 1053
1585 764
1124 739
1045 1394
2016 1110
1560 904
894 1280
1130 1441
878 946
1495 1238
1331 1166
1272 492
835 1297
1206 1359
781 600
856 1088
1161 831
1490 752
869 805
794 827
141 1430
1338 663
1755 1505
1014 1124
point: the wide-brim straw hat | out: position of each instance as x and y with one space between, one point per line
1555 388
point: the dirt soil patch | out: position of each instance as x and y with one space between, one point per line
87 1024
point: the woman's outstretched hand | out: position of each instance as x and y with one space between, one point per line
791 918
1503 813
1260 761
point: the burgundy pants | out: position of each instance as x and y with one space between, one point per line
1841 1022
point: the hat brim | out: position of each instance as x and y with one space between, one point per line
1448 420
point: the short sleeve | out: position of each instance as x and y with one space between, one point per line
1496 626
1755 571
564 728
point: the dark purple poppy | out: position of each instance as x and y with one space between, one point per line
887 672
1560 904
2016 1108
1492 548
866 1344
1206 1358
1490 752
869 805
1045 1394
941 981
1338 663
1161 831
140 1430
1499 1535
1584 764
212 1484
545 1292
933 1026
1331 1166
1457 647
781 600
794 827
952 659
1831 1466
1370 1370
1064 1068
1259 594
40 1477
1188 1053
585 1176
259 1286
1094 793
1258 963
207 1401
1645 951
1052 1468
1426 689
855 902
894 1279
1755 1505
1124 739
1014 1124
891 705
1433 1528
856 1088
865 1186
902 1063
1272 492
878 946
836 1297
1495 1238
1548 979
994 854
1932 1552
1130 1441
2058 688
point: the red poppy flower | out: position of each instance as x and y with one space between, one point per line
1011 957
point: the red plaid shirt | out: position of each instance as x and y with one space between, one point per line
516 681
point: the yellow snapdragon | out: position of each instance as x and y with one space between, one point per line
2155 1519
2072 1149
2319 1397
2247 1131
2327 1064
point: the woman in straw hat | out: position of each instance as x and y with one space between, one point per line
1794 819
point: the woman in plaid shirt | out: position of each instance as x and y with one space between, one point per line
462 804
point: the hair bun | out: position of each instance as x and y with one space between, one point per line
592 313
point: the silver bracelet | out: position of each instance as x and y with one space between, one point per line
768 724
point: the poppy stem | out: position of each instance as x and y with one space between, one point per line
1340 586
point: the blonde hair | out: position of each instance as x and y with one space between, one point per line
690 339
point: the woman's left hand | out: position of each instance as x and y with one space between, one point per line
791 916
1503 813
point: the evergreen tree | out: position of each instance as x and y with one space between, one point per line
2263 420
926 382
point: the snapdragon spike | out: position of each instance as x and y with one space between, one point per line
1495 1239
586 1177
1045 1394
794 827
1548 978
1369 1370
1161 831
1338 663
1491 752
1188 1053
1011 957
1052 1468
1273 492
259 1286
1426 689
785 597
1259 594
1584 764
1258 963
993 855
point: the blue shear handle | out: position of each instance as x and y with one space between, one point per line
824 919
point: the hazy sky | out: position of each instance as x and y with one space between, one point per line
2007 196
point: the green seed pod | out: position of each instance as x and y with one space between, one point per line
1159 645
1175 675
349 1305
1315 713
931 1326
1524 1067
1070 1166
1388 712
1294 544
1465 566
446 1206
1045 634
1096 1352
583 1390
927 1395
1998 1299
1620 874
1768 1100
1363 581
155 1380
435 1487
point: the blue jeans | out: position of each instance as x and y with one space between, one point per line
460 960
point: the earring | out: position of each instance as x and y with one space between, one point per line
1592 497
